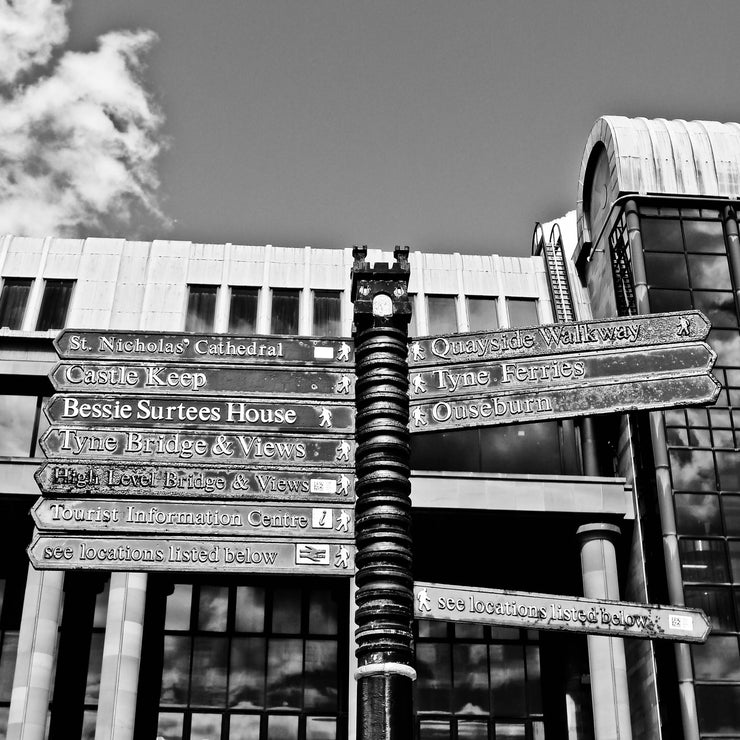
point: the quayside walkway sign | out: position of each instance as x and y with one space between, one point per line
560 371
191 452
560 613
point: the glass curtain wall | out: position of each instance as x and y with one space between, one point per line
687 266
250 659
477 683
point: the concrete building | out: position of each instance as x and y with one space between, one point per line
642 507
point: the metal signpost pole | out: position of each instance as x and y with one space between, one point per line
385 673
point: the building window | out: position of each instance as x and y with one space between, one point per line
13 301
441 314
22 422
522 312
243 310
477 682
327 305
54 304
258 660
285 305
482 314
622 269
201 308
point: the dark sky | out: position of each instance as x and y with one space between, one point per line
447 125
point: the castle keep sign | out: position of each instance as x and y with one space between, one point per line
196 452
560 371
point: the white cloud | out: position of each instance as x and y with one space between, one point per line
78 145
29 32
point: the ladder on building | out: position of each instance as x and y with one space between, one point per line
557 272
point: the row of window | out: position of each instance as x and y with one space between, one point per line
482 312
55 301
442 315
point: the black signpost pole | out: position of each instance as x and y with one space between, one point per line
384 597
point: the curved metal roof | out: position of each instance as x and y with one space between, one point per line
657 156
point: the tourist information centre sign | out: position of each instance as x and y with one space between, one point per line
560 371
560 613
198 453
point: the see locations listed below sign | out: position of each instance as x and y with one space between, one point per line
561 613
192 554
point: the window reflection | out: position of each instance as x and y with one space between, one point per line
244 726
709 272
660 234
666 270
717 659
177 616
226 667
169 726
719 307
213 607
247 676
719 708
507 679
321 728
482 314
442 314
17 414
320 675
54 304
522 312
470 679
201 311
704 236
716 603
692 470
697 514
327 313
284 673
208 683
243 310
13 301
285 305
703 560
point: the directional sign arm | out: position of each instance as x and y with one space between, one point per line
559 613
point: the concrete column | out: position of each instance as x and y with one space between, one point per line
119 678
37 641
609 695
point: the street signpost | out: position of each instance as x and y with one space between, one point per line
198 448
560 613
560 371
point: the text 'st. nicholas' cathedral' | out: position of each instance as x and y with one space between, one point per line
195 540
